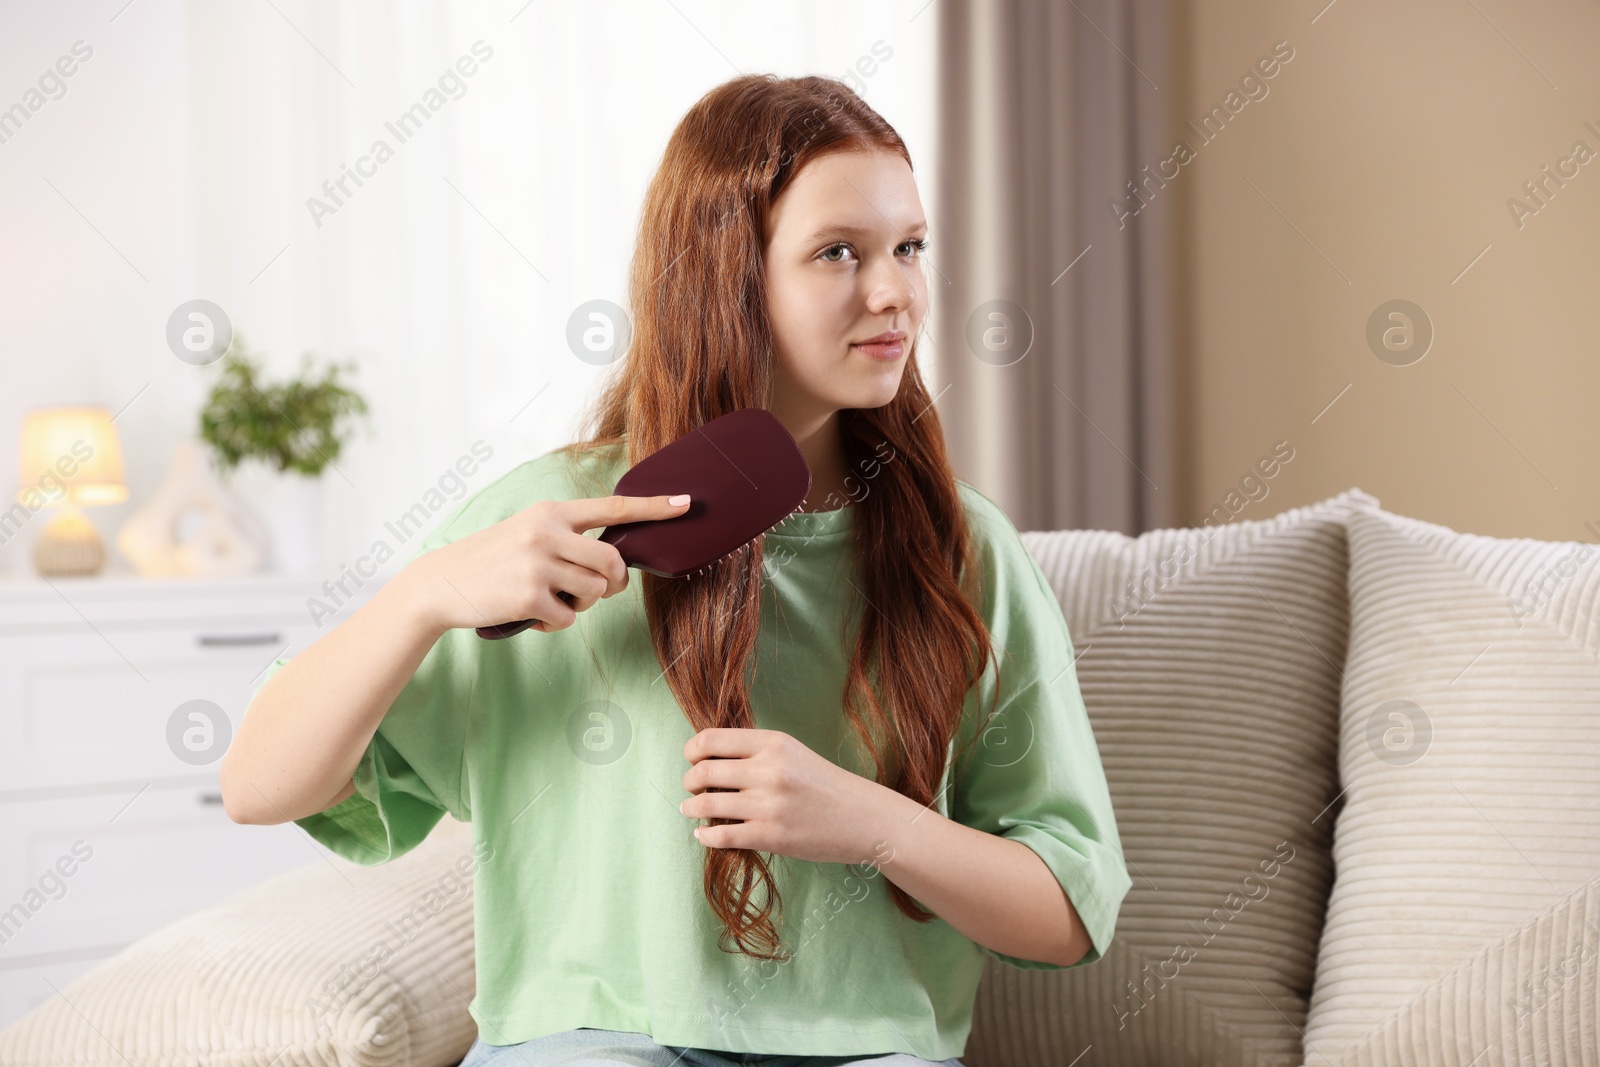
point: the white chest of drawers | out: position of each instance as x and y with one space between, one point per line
111 818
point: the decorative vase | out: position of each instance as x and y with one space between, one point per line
290 507
192 525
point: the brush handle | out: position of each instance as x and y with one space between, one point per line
509 629
503 630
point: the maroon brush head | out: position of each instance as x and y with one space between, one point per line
744 473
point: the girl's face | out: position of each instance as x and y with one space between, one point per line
843 265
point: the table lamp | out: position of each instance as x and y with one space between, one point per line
70 459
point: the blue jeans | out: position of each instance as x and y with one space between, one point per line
586 1047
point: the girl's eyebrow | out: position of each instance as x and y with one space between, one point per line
857 231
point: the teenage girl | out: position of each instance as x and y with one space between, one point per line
779 813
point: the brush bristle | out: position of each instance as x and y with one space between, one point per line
695 574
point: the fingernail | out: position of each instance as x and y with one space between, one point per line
680 806
679 500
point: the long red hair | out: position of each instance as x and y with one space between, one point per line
701 347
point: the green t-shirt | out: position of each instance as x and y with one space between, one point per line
565 753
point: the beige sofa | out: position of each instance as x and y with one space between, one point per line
1356 765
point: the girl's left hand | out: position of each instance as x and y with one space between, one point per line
791 801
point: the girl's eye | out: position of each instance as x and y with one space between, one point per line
920 244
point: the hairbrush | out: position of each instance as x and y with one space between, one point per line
744 473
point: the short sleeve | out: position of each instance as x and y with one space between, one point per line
415 768
1034 774
412 772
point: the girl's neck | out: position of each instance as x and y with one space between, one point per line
823 448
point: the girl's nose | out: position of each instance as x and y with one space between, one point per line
891 290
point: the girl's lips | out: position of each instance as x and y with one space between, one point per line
889 350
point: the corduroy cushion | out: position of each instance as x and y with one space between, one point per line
1209 660
331 963
1465 923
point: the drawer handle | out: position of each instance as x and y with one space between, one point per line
238 640
211 797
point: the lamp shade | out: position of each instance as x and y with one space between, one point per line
70 455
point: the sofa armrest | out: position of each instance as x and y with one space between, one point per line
329 963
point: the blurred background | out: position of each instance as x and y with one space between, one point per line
1189 263
1179 312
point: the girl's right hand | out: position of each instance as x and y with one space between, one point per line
517 568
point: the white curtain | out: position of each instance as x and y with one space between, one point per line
451 270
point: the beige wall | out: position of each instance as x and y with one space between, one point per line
1392 140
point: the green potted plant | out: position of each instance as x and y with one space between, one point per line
290 433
